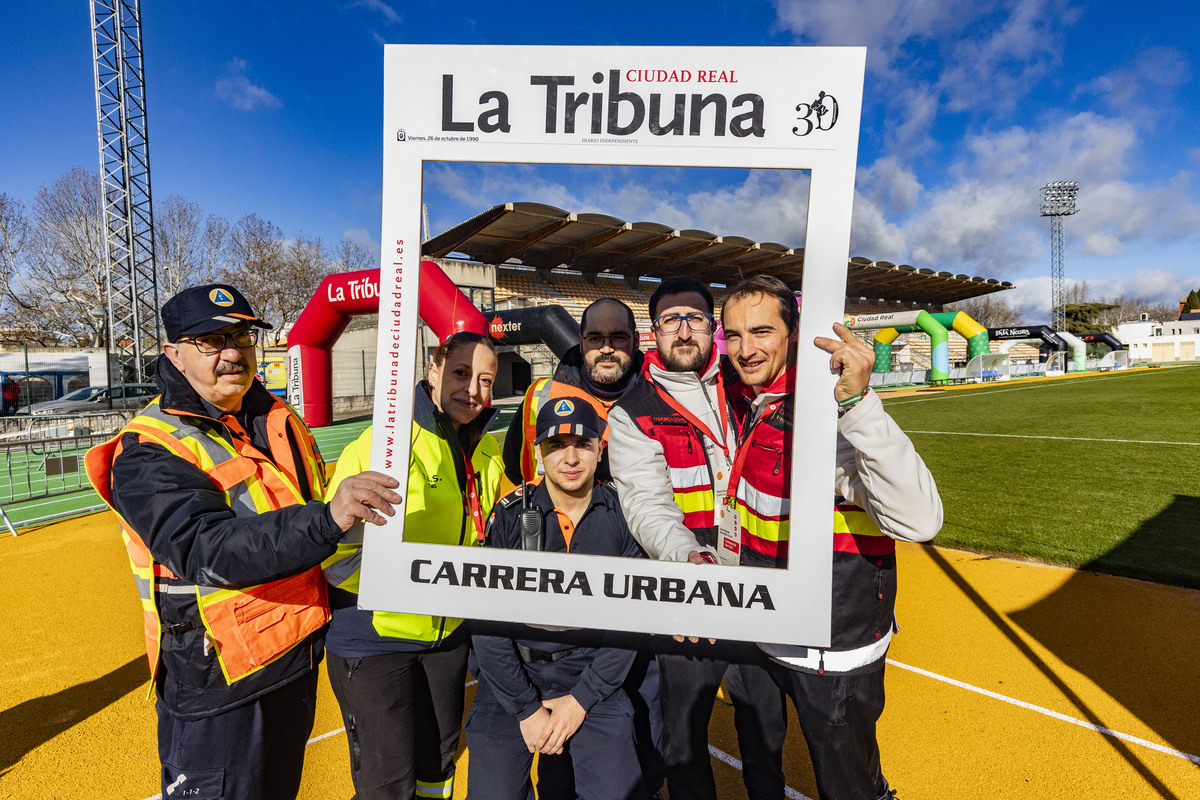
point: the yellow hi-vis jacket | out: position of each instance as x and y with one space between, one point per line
445 504
249 627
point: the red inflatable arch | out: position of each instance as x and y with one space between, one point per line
444 308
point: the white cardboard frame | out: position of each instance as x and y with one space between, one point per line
418 104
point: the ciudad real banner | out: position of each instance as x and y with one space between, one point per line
646 107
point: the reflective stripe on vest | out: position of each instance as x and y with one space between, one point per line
819 660
428 519
540 392
536 397
687 469
249 627
764 512
855 532
341 569
435 789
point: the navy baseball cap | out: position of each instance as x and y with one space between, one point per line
204 309
568 415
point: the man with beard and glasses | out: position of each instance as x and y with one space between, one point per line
599 371
672 439
220 492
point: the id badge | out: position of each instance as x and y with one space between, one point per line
729 535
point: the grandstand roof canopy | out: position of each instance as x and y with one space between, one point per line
545 237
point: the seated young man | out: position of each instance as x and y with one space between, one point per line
556 691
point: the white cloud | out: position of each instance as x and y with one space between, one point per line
883 26
1142 84
984 218
237 90
890 184
1032 299
1154 286
872 236
390 15
969 227
1159 286
977 54
769 206
1000 58
362 238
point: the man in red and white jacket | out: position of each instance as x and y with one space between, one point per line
882 492
671 444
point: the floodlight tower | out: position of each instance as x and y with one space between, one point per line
131 283
1058 201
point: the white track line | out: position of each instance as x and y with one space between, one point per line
793 794
1056 715
721 755
1056 438
716 753
1040 385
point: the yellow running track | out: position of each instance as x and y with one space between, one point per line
1008 680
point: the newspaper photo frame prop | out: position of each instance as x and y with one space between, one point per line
749 108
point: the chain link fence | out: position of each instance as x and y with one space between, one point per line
42 465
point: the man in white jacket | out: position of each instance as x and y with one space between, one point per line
883 492
672 440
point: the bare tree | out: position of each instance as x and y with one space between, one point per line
256 263
277 277
990 311
214 249
1077 294
64 274
1113 311
352 257
306 265
178 241
14 231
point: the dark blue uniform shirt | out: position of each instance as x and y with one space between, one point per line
601 531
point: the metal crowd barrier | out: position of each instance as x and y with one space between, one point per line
42 458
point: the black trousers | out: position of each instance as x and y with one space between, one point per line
838 714
603 756
556 776
690 675
403 714
254 752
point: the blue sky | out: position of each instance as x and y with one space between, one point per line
970 107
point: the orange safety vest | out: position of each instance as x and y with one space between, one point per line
540 392
251 626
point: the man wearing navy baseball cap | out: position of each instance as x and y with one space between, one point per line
539 690
220 491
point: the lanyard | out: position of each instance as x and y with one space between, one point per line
690 417
739 462
471 500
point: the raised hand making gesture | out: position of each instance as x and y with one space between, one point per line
850 359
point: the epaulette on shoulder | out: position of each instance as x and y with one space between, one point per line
512 498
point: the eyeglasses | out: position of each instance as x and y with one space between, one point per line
616 340
213 343
697 321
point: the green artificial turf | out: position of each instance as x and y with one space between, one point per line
1121 507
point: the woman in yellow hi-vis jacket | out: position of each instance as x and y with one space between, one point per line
399 677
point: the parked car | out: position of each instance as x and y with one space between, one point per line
95 398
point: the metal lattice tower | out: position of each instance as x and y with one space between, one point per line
131 284
1058 201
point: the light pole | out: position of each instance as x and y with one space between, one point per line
1058 201
100 314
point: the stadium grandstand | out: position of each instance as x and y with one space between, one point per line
518 255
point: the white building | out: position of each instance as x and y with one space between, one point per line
1148 340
